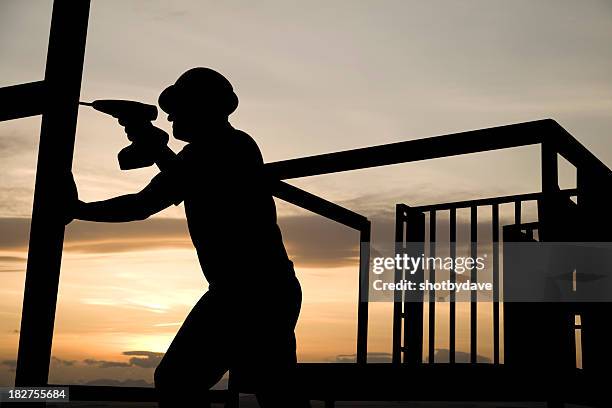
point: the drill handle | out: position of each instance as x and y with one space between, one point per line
145 133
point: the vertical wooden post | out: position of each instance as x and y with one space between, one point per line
550 172
413 300
595 225
63 86
364 290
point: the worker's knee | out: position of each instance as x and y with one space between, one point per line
160 376
170 376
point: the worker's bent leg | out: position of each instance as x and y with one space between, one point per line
197 358
274 360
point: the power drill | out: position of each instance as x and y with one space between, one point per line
140 153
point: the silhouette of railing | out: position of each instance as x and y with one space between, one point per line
350 219
411 223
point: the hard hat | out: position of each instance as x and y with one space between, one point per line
199 88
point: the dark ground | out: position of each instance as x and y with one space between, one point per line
248 401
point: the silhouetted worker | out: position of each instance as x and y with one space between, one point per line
246 320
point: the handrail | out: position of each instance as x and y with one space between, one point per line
454 144
490 201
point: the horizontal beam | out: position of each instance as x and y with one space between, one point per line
23 100
318 205
502 137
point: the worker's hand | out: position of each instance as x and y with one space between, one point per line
69 198
145 134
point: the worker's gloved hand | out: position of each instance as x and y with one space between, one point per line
148 144
69 198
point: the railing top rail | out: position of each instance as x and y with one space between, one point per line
454 144
319 205
489 201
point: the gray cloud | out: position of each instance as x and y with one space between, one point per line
11 364
141 359
101 237
14 233
62 362
105 363
12 264
311 240
442 355
314 241
373 357
14 143
11 259
303 236
144 359
119 383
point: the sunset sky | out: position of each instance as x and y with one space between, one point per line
312 77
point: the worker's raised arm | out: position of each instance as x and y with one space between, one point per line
164 158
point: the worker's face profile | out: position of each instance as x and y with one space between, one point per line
182 127
189 121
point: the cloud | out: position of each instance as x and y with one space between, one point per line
11 364
144 359
61 362
311 240
130 382
103 237
303 237
10 259
442 355
12 264
373 357
15 143
105 363
141 359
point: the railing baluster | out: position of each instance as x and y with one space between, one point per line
453 279
398 311
474 293
432 293
495 226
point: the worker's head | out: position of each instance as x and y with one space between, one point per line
199 99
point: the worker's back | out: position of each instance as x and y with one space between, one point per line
230 210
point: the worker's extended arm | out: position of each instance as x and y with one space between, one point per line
156 196
130 207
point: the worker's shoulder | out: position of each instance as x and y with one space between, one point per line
243 138
243 142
